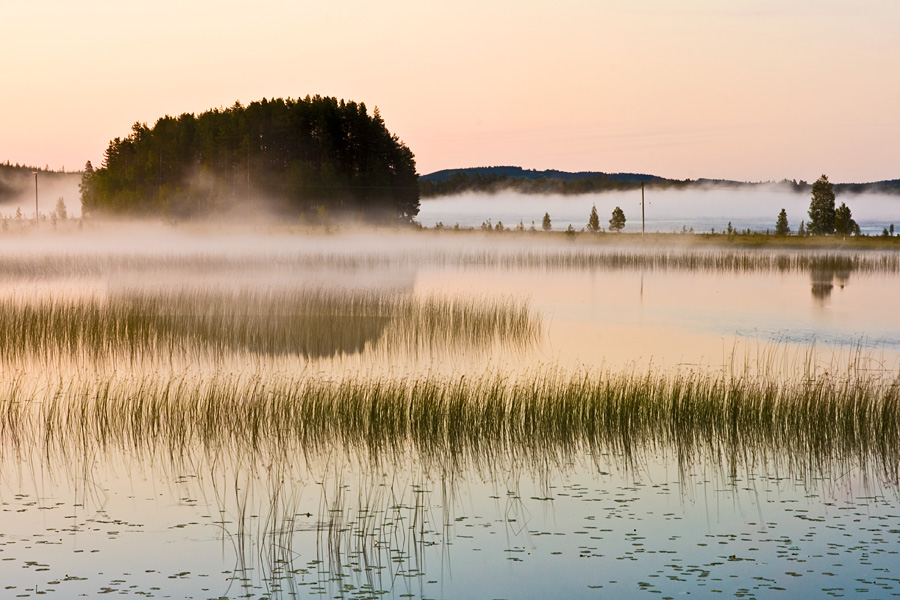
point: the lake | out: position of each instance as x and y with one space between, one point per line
373 414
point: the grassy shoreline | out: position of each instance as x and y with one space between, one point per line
741 240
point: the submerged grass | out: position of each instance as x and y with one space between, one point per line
811 426
307 322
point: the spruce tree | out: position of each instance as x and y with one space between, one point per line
617 222
593 221
781 225
821 208
843 221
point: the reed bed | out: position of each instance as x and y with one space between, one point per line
808 427
206 322
577 256
722 260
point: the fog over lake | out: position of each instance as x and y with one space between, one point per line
200 412
665 210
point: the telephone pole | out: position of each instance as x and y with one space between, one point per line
642 210
36 214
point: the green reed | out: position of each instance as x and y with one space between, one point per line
811 424
308 322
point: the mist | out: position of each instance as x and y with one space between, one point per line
666 211
51 187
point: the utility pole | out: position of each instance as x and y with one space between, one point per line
642 209
36 214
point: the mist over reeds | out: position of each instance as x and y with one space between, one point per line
41 266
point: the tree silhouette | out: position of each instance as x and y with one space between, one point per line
821 208
61 210
781 225
593 221
545 224
843 221
299 156
617 222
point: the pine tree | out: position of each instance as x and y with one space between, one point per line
843 221
594 221
545 224
617 222
87 188
781 225
821 208
61 211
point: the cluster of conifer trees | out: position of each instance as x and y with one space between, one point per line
316 156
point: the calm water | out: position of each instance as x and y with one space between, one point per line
138 521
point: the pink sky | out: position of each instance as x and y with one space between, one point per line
743 89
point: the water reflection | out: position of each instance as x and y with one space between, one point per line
823 281
425 490
489 477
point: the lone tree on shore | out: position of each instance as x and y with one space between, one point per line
594 221
617 222
843 221
545 224
821 208
781 225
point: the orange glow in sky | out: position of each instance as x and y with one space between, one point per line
744 89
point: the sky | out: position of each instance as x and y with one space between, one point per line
753 90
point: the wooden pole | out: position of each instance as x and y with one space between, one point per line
36 214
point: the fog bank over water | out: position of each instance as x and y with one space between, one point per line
665 210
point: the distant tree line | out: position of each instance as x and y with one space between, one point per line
316 156
460 182
17 180
496 179
824 218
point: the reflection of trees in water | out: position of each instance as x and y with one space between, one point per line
823 281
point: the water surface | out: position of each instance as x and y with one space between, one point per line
135 502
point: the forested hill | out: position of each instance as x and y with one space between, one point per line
317 157
528 181
520 173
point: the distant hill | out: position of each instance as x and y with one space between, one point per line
551 181
529 181
520 173
891 186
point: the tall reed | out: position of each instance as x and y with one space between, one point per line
820 424
307 322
